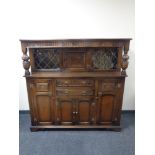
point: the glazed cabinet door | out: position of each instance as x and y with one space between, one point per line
42 101
109 101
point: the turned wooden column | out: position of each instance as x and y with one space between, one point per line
125 58
26 62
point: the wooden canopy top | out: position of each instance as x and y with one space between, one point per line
62 43
82 39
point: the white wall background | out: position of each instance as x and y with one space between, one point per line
52 19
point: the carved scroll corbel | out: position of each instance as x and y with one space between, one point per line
26 62
125 59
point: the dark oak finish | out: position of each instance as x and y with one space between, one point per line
75 83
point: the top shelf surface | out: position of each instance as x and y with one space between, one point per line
63 43
82 39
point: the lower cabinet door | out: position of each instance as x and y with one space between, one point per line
86 110
109 105
65 110
44 108
106 107
75 110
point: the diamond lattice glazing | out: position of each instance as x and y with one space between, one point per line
46 59
105 58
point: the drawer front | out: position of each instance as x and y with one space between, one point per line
108 85
74 82
42 85
74 91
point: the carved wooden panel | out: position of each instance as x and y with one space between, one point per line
69 91
86 110
74 82
108 85
74 60
106 108
42 86
64 110
43 104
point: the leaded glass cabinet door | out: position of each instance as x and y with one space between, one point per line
105 58
45 59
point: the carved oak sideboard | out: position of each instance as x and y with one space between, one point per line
75 83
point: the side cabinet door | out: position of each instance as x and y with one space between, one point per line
110 101
43 102
106 108
86 110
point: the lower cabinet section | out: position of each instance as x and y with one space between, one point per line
75 110
50 109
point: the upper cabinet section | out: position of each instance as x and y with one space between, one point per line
75 55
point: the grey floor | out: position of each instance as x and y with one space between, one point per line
77 142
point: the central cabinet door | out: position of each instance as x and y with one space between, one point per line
75 110
65 110
86 110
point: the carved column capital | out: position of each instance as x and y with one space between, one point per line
125 58
26 62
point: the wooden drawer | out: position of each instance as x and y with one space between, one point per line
74 91
74 82
42 85
110 85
